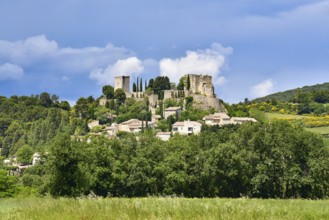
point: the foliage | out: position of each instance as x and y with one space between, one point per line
120 95
24 154
194 114
65 175
188 82
276 160
159 84
108 91
133 109
182 82
317 92
8 186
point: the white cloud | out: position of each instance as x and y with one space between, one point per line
10 71
128 67
208 61
262 89
39 50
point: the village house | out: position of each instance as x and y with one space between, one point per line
220 118
36 158
112 130
240 120
175 111
164 135
135 125
186 127
93 124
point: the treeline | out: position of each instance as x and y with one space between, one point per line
34 121
275 160
290 95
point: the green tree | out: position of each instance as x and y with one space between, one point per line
8 186
65 174
137 85
151 84
45 99
141 85
24 154
188 83
108 91
134 87
65 105
120 95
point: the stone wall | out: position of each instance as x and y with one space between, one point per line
122 82
203 102
201 84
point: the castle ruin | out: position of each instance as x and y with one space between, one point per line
122 82
201 89
201 84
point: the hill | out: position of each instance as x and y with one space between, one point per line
289 95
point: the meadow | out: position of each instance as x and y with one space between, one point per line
162 208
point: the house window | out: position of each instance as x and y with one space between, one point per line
175 129
190 129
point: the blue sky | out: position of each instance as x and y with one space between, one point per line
250 47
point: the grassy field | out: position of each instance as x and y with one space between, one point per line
162 208
319 130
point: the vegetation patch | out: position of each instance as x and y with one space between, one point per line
163 208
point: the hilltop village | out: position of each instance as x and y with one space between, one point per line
196 92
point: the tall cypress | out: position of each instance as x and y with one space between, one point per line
134 87
188 83
137 90
141 85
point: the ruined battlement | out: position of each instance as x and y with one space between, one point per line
201 84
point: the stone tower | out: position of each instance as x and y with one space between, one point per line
122 82
201 84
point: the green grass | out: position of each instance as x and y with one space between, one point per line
162 208
319 130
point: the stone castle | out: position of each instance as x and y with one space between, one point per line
201 89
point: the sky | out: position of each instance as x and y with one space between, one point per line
251 48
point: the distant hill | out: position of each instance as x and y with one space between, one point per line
290 94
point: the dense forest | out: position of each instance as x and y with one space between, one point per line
260 160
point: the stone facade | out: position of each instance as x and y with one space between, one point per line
201 84
122 82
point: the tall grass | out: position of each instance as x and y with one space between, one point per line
162 208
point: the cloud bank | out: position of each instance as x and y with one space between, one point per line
10 71
208 61
40 51
127 67
262 89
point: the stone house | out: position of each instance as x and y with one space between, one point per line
175 111
165 136
135 125
186 127
240 120
112 130
220 118
93 124
36 158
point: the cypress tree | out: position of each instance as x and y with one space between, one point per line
134 87
141 85
137 85
188 83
